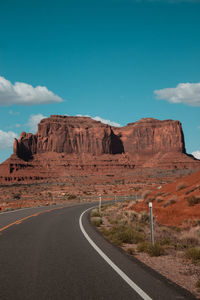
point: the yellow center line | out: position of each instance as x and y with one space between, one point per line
28 217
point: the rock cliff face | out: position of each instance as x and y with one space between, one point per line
69 135
150 136
64 145
79 135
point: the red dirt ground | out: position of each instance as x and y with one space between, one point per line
177 213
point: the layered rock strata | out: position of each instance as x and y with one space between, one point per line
79 135
63 145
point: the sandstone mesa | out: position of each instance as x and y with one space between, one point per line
66 145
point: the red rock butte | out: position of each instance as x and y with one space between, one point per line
66 145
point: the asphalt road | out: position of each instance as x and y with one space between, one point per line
48 257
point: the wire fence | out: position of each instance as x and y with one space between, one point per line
105 198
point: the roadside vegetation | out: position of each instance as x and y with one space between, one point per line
131 231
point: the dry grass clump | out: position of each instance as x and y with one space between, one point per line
71 197
131 230
166 204
171 201
95 213
159 199
16 196
193 189
160 194
194 254
131 251
188 242
97 221
180 186
8 209
193 200
150 199
119 234
152 250
166 194
198 284
144 217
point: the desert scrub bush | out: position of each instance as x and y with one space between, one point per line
152 250
187 242
196 222
130 251
110 235
17 196
156 250
138 228
104 207
159 194
8 209
97 221
112 221
180 186
194 254
166 194
144 217
173 199
150 199
122 222
143 247
197 284
95 213
159 199
188 192
166 204
123 234
71 197
130 236
166 241
133 216
193 200
193 189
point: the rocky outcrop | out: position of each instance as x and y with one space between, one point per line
62 134
69 135
64 145
150 136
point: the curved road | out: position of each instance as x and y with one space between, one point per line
48 257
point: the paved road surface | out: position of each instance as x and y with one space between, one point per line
48 257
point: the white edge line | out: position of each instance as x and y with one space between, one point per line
134 286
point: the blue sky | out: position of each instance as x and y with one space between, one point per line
117 60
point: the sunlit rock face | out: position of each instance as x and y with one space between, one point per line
66 145
83 135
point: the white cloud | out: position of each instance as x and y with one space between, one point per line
13 113
7 139
102 120
196 154
25 94
187 93
17 125
106 121
33 122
